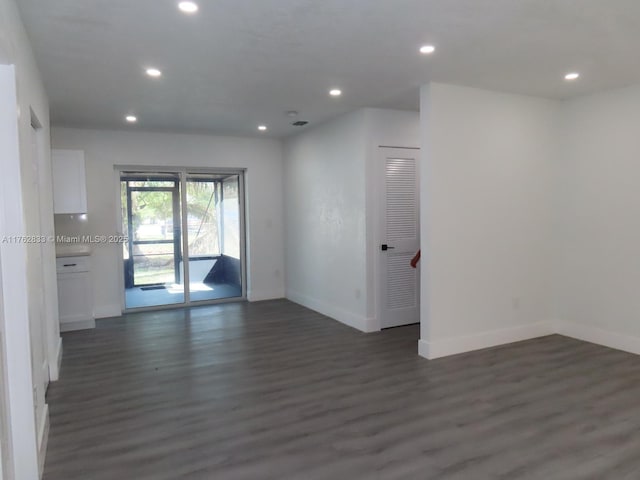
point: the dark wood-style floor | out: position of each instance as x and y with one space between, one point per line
275 391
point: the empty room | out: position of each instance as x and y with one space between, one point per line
303 240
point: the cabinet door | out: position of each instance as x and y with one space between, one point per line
74 297
69 181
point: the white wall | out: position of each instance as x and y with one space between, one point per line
20 211
487 218
599 221
329 208
325 234
261 157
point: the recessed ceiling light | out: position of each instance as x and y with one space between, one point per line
262 128
153 72
188 7
131 118
335 92
572 76
427 49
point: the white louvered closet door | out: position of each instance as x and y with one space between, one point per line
400 234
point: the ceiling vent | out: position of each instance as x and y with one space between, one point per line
299 123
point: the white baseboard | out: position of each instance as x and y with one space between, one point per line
372 325
599 336
77 325
261 295
43 438
423 348
468 343
107 311
586 333
54 366
351 319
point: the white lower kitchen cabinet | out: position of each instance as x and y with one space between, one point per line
75 296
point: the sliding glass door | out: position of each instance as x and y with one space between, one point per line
213 232
166 214
152 220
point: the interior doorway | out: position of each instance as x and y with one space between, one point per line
184 237
399 234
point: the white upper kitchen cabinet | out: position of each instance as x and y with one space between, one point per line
69 181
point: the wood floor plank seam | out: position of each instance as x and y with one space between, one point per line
272 390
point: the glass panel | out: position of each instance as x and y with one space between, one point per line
153 263
214 260
231 217
125 219
151 218
152 215
202 200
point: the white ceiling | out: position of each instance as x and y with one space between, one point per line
240 63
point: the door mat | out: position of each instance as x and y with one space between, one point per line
153 287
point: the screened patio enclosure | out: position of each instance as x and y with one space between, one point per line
185 237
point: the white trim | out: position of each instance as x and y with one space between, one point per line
17 348
46 377
372 324
423 348
468 343
5 454
585 333
350 319
54 366
77 325
43 438
599 336
107 311
260 295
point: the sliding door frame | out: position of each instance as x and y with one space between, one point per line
175 212
183 172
